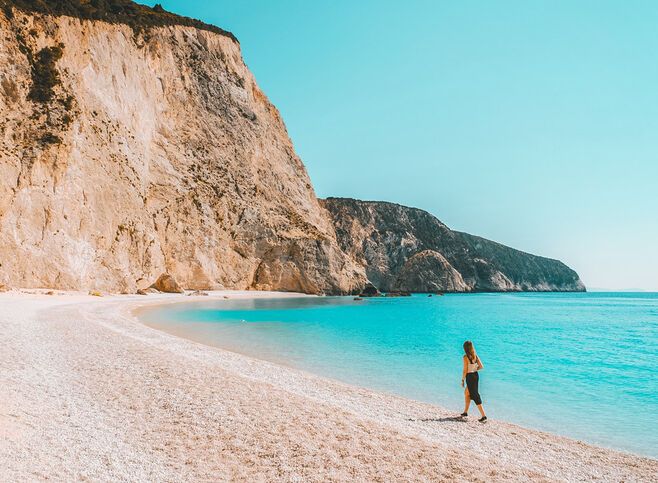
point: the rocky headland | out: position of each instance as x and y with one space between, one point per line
408 249
135 143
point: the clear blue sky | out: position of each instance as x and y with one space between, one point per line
532 123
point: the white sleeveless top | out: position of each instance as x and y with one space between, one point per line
472 367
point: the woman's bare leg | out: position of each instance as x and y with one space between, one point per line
481 409
467 400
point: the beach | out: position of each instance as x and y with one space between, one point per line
90 393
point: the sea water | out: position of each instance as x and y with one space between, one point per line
579 365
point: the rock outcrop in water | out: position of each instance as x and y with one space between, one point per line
408 249
134 142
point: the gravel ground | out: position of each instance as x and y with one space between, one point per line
89 393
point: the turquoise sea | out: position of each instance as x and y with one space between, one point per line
582 365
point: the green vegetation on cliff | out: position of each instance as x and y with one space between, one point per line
44 74
409 249
139 17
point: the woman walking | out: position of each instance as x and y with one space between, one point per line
472 364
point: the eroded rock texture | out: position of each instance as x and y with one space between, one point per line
408 249
128 152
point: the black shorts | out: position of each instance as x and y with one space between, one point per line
472 379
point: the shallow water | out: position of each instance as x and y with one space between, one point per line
580 365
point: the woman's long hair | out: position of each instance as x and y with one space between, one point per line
470 351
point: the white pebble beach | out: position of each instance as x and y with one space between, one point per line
87 392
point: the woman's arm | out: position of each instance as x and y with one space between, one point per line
480 365
464 370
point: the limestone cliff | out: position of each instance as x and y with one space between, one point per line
135 142
140 144
408 249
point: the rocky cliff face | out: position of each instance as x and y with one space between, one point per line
408 249
135 142
128 150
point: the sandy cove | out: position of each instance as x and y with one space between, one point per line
89 393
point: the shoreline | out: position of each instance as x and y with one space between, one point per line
93 392
283 362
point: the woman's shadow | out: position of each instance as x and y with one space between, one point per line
457 419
